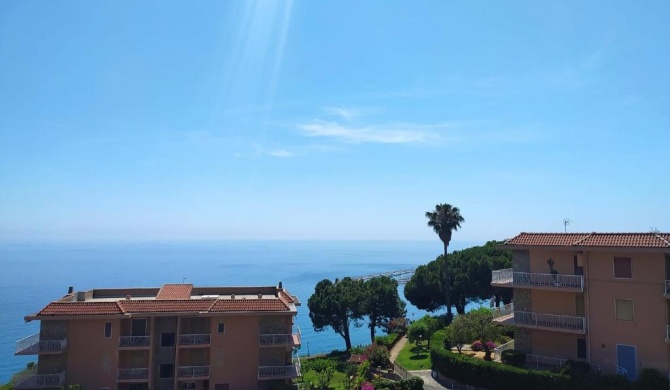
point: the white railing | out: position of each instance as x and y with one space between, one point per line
193 371
132 374
539 279
504 310
39 381
549 320
33 345
280 372
497 351
280 339
543 362
134 341
667 287
502 276
621 371
194 339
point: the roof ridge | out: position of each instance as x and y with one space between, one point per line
583 238
662 239
121 308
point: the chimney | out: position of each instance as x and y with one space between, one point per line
81 296
280 285
70 290
260 295
232 296
128 297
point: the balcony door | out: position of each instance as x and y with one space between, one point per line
139 327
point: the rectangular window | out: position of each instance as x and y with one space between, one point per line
222 386
624 309
220 328
166 371
623 268
167 339
108 330
581 348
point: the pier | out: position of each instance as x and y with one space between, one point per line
401 276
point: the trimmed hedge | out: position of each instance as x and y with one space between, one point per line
513 357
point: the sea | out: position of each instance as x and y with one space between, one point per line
36 273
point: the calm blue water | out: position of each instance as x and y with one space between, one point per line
35 274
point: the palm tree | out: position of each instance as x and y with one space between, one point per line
445 220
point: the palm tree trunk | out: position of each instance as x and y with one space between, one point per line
447 285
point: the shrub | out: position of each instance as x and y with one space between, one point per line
491 345
378 355
411 383
477 345
575 368
387 340
652 379
397 325
359 349
513 357
611 382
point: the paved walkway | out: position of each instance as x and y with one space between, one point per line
428 382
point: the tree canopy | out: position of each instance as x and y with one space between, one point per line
339 304
470 281
381 302
475 325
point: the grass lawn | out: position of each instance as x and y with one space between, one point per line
414 358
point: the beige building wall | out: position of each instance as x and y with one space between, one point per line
647 331
235 352
554 344
92 359
550 302
563 261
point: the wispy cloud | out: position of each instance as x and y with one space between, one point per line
281 153
390 134
347 114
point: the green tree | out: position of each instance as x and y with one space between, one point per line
445 220
426 326
417 331
476 325
381 302
336 305
425 288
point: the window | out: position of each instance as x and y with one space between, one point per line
581 348
166 371
221 327
222 386
624 309
622 267
167 339
108 330
188 386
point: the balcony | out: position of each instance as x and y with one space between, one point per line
280 340
193 372
524 319
194 340
134 342
667 289
553 282
32 345
31 380
135 375
289 371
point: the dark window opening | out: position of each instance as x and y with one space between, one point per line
167 339
623 267
166 371
581 348
221 327
108 329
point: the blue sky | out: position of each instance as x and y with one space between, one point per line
331 120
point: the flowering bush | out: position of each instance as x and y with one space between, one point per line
367 386
378 354
491 345
477 345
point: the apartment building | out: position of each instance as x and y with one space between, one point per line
603 298
176 337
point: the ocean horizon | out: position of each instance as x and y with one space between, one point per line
36 273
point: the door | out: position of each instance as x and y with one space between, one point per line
626 361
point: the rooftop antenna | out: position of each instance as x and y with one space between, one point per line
183 280
566 222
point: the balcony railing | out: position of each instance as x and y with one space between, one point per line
193 372
527 279
134 341
551 321
280 372
503 311
132 375
30 380
536 362
497 351
667 288
194 339
32 345
278 339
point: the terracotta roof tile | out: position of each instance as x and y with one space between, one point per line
618 240
234 305
165 306
175 291
80 308
286 296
